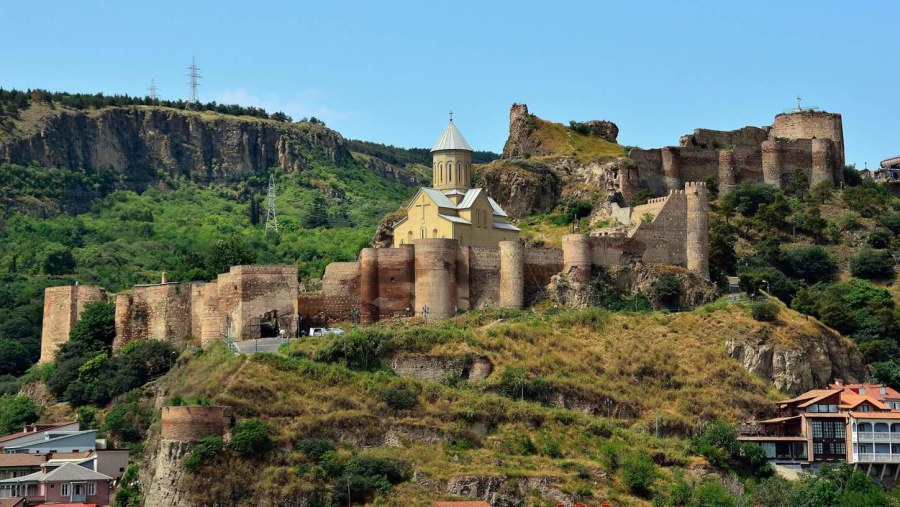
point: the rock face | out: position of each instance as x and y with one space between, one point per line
138 142
606 130
569 293
522 187
390 172
162 475
441 368
638 278
502 491
809 362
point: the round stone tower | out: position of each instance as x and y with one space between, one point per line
512 277
436 277
822 162
451 158
368 286
727 173
771 162
697 246
577 257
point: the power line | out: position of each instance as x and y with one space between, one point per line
195 76
154 92
271 217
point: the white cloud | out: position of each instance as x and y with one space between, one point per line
301 104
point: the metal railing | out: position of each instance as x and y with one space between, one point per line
871 457
876 436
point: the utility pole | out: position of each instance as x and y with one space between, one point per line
153 91
271 217
194 75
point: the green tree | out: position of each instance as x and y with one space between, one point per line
638 473
231 251
722 257
872 264
251 437
315 214
711 494
747 197
57 259
880 238
886 372
14 357
96 324
204 452
812 264
764 310
16 412
667 291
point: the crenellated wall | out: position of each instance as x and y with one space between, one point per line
807 141
668 230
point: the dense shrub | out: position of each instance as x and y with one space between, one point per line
518 384
812 264
358 350
315 448
638 473
399 399
868 199
879 238
364 476
14 358
872 265
756 277
251 437
204 452
667 291
15 413
127 422
712 494
766 310
747 197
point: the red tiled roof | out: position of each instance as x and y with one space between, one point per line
876 415
873 390
461 504
808 395
72 455
851 400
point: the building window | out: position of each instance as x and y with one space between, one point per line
863 408
449 170
65 490
422 230
883 390
92 488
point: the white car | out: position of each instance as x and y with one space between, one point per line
322 331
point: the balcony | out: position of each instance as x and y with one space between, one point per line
876 436
877 458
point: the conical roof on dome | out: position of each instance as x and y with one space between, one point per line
451 139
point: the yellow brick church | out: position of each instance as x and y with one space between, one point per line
452 209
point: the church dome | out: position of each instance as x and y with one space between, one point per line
451 139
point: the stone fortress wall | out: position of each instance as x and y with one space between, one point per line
386 283
667 230
62 308
808 141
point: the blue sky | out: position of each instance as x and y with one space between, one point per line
389 71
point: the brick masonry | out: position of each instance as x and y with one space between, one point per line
808 141
193 423
62 308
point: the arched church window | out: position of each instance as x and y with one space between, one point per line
422 231
434 233
458 176
409 236
449 170
440 172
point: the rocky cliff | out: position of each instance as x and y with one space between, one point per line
141 142
544 161
808 361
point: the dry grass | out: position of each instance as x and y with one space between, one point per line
564 142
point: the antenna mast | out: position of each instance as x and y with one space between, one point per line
153 95
271 218
194 75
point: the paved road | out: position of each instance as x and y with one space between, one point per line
261 345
